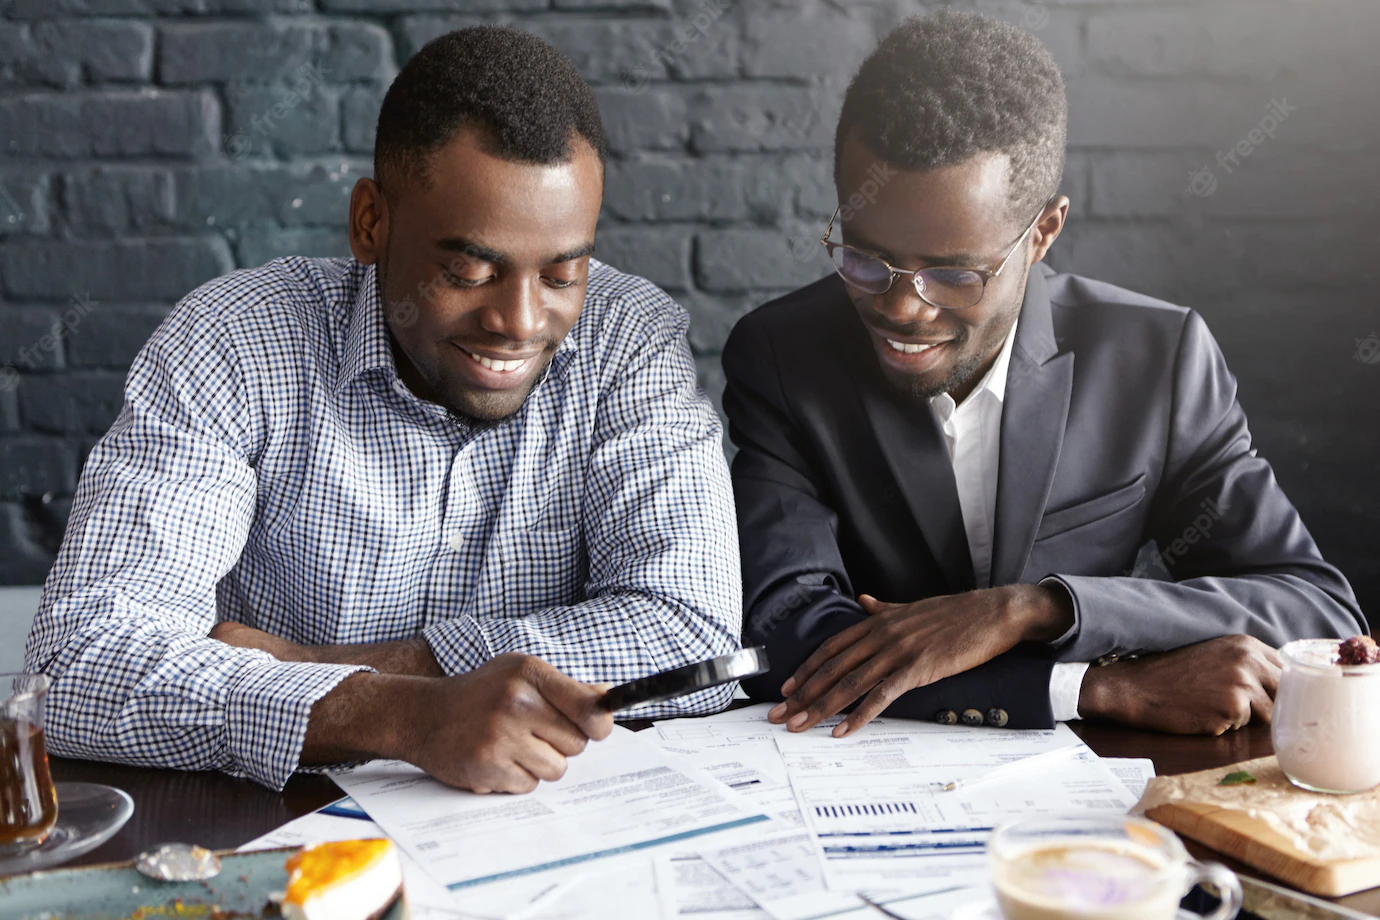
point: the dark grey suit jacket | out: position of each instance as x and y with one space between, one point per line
1120 424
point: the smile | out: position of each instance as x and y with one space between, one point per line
502 367
911 348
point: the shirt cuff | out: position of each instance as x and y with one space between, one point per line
458 644
1067 637
1065 686
267 712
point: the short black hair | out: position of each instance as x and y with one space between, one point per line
520 90
940 89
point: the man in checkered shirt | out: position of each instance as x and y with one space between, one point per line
416 504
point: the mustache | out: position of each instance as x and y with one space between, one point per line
542 343
913 330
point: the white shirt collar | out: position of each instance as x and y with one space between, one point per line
994 381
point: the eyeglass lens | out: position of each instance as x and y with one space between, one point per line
952 288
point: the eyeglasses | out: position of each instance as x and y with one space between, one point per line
949 288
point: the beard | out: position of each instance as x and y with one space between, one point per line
967 368
918 389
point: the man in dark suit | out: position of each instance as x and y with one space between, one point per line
984 444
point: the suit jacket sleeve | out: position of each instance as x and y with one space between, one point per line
1241 558
796 590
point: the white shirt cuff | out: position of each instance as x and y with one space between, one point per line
1065 686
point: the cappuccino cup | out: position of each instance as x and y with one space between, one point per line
1099 868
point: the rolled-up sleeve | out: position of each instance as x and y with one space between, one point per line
161 514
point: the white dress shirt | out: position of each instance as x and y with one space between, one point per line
972 433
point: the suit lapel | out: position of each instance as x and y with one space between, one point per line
1034 413
913 445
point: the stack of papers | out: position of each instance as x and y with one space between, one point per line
728 817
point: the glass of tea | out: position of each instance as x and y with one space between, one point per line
1099 868
28 801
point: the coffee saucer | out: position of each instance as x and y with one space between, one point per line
986 909
89 814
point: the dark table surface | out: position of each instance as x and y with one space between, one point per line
216 811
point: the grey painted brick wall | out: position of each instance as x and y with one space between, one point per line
148 145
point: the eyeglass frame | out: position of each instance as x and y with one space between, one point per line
986 274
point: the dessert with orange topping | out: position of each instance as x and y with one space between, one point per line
346 880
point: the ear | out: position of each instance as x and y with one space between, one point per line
368 222
1048 227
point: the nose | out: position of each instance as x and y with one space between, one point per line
516 311
903 305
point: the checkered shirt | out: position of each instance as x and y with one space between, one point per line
269 467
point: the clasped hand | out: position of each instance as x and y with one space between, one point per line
903 646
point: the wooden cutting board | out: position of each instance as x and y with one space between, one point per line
1235 833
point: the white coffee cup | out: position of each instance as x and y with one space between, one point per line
1099 868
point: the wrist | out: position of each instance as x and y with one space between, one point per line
367 715
1101 696
1045 612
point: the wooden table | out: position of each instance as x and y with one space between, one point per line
221 813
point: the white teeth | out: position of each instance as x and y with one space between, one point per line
909 348
500 366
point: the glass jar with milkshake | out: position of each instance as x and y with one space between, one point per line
1326 722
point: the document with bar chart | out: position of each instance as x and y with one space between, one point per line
874 805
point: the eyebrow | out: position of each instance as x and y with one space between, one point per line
956 260
485 254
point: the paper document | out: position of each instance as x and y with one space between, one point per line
623 795
746 760
1135 772
870 800
690 888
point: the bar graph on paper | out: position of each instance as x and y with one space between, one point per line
872 809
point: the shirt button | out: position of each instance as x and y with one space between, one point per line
972 717
946 717
997 717
456 542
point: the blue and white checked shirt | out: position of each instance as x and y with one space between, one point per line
269 467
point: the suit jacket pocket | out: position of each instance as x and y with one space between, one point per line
542 568
1092 510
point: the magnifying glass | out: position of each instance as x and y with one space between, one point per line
691 678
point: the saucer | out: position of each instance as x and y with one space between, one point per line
89 814
986 909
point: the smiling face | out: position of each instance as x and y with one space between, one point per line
482 269
949 216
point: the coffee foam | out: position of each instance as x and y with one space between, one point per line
1084 875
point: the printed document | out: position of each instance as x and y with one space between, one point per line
621 796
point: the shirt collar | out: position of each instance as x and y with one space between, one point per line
366 338
994 381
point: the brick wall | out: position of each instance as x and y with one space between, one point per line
148 145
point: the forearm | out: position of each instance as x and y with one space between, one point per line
134 689
1112 612
364 717
791 622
